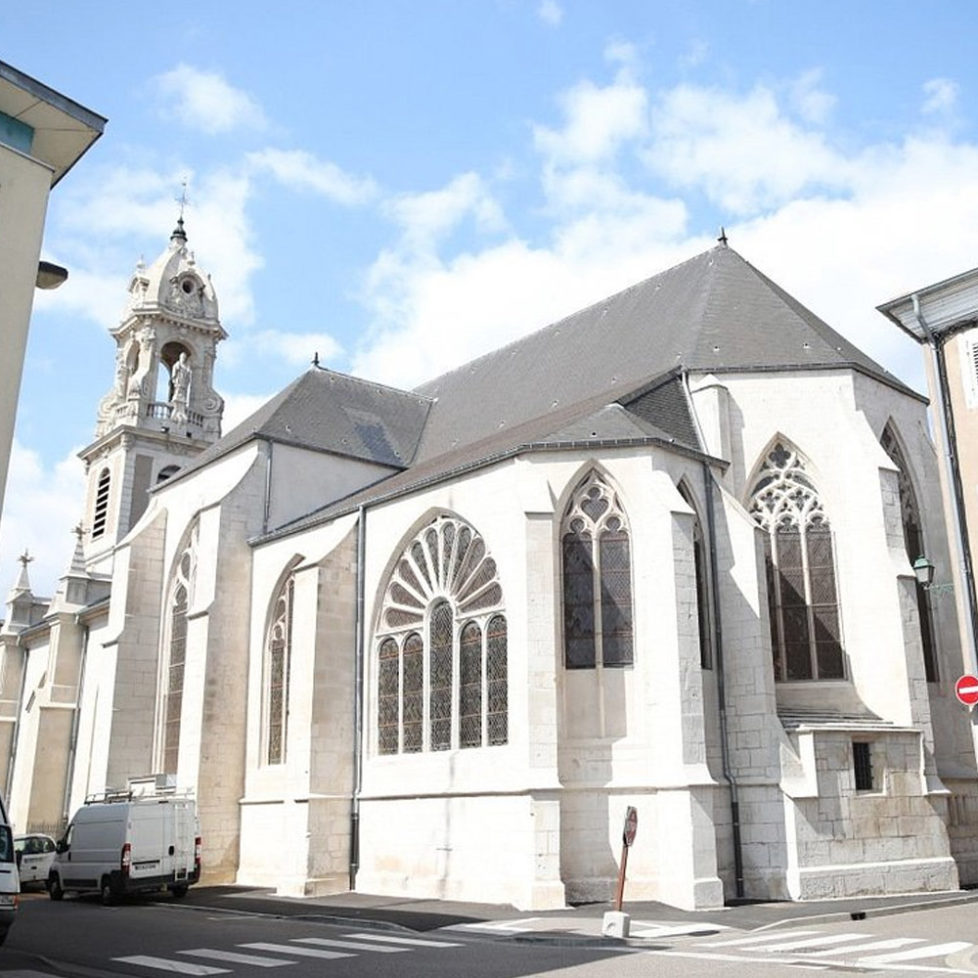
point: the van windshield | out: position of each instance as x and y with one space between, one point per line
6 845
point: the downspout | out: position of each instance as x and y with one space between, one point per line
936 343
12 755
268 487
721 687
358 703
714 597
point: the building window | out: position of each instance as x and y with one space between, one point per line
968 352
597 578
101 504
862 766
278 655
175 657
913 539
800 566
442 655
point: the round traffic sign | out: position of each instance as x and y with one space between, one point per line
966 690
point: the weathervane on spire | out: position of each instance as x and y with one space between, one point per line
183 200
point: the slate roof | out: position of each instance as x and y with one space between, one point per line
325 411
713 313
609 374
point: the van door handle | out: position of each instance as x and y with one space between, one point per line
171 851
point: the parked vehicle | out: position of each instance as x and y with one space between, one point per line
9 877
122 843
35 854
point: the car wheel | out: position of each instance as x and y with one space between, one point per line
54 887
107 893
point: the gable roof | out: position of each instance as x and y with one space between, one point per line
325 411
714 313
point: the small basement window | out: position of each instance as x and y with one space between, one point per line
862 766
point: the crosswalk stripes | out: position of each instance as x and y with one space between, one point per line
278 954
856 949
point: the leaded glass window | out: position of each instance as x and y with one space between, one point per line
175 656
800 568
913 538
441 654
597 581
278 657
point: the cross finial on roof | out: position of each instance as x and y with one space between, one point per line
25 558
723 237
183 200
315 359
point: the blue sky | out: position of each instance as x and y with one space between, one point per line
400 186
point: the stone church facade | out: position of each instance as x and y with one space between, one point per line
433 643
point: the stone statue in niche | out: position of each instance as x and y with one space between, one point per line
179 389
144 360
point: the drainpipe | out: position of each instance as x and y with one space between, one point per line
721 687
358 704
936 343
714 597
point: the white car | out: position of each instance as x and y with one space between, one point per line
35 853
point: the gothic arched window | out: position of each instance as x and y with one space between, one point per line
913 538
803 604
175 656
278 654
597 578
441 654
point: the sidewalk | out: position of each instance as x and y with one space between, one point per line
648 921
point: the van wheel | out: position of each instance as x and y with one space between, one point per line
54 888
179 891
107 893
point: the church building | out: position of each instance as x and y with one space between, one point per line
435 643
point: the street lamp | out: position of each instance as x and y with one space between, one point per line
924 570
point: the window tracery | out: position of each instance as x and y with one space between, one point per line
278 656
596 576
172 678
800 565
442 653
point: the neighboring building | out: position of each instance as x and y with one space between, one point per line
435 642
944 318
42 135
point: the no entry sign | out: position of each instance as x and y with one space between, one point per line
966 690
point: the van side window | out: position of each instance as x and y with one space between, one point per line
6 844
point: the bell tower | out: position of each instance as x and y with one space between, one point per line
162 410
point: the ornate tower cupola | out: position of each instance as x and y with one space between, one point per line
162 409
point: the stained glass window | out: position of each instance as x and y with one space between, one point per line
597 579
447 689
277 661
800 568
913 538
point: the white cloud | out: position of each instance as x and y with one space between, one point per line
941 96
742 151
809 99
550 12
426 218
297 349
40 509
302 171
204 101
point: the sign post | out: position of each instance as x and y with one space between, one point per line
627 838
966 690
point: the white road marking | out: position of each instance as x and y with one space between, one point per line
306 952
516 926
350 945
764 938
930 951
413 941
805 942
165 964
892 942
235 957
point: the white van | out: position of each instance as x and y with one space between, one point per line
9 877
124 843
